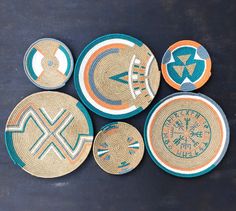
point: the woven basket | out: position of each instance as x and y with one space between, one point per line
187 134
186 65
48 63
117 76
49 134
118 148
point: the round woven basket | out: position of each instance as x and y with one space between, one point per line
187 134
186 65
118 148
48 63
49 134
116 76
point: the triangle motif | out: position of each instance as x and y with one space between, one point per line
122 77
191 68
184 58
179 70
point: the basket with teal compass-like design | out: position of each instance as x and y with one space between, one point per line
49 134
48 63
186 65
187 134
116 76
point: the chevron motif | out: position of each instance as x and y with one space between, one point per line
134 145
50 131
122 77
101 152
54 148
50 120
104 151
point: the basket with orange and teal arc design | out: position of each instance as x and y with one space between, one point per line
48 63
186 65
116 76
46 138
187 134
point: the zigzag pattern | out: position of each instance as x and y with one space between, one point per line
47 132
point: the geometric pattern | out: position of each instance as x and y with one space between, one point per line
133 145
122 77
49 134
138 78
48 63
186 65
112 67
50 130
118 148
104 150
189 67
187 134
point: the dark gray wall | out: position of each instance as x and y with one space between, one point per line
158 23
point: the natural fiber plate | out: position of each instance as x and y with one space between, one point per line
116 76
186 65
118 148
49 134
187 134
48 63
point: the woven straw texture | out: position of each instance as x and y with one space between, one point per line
186 65
116 78
49 134
48 63
118 148
186 134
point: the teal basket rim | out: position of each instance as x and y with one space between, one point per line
201 172
77 69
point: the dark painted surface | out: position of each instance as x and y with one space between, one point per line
156 23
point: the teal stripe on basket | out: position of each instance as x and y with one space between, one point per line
67 58
11 150
77 68
29 64
184 175
86 114
110 126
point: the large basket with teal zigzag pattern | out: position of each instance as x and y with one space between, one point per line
49 134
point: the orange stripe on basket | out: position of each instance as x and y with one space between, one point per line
207 72
184 42
15 119
187 169
83 154
206 75
172 48
167 78
58 145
